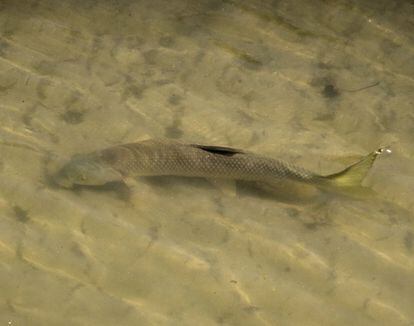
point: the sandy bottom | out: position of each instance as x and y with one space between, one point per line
316 83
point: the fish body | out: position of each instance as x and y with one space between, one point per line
164 157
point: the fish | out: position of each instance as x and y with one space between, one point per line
155 157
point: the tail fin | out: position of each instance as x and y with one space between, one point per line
353 175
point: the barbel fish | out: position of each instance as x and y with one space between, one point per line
173 158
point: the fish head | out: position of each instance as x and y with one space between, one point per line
85 170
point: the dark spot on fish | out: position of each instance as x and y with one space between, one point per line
287 269
21 214
330 91
113 155
409 241
166 41
73 117
233 281
174 99
109 155
226 151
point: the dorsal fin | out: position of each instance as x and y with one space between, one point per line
227 151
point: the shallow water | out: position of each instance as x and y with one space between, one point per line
280 78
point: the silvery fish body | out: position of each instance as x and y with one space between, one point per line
167 157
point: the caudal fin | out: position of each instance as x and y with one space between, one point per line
353 175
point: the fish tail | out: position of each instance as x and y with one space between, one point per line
353 175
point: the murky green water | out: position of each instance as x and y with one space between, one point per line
283 78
